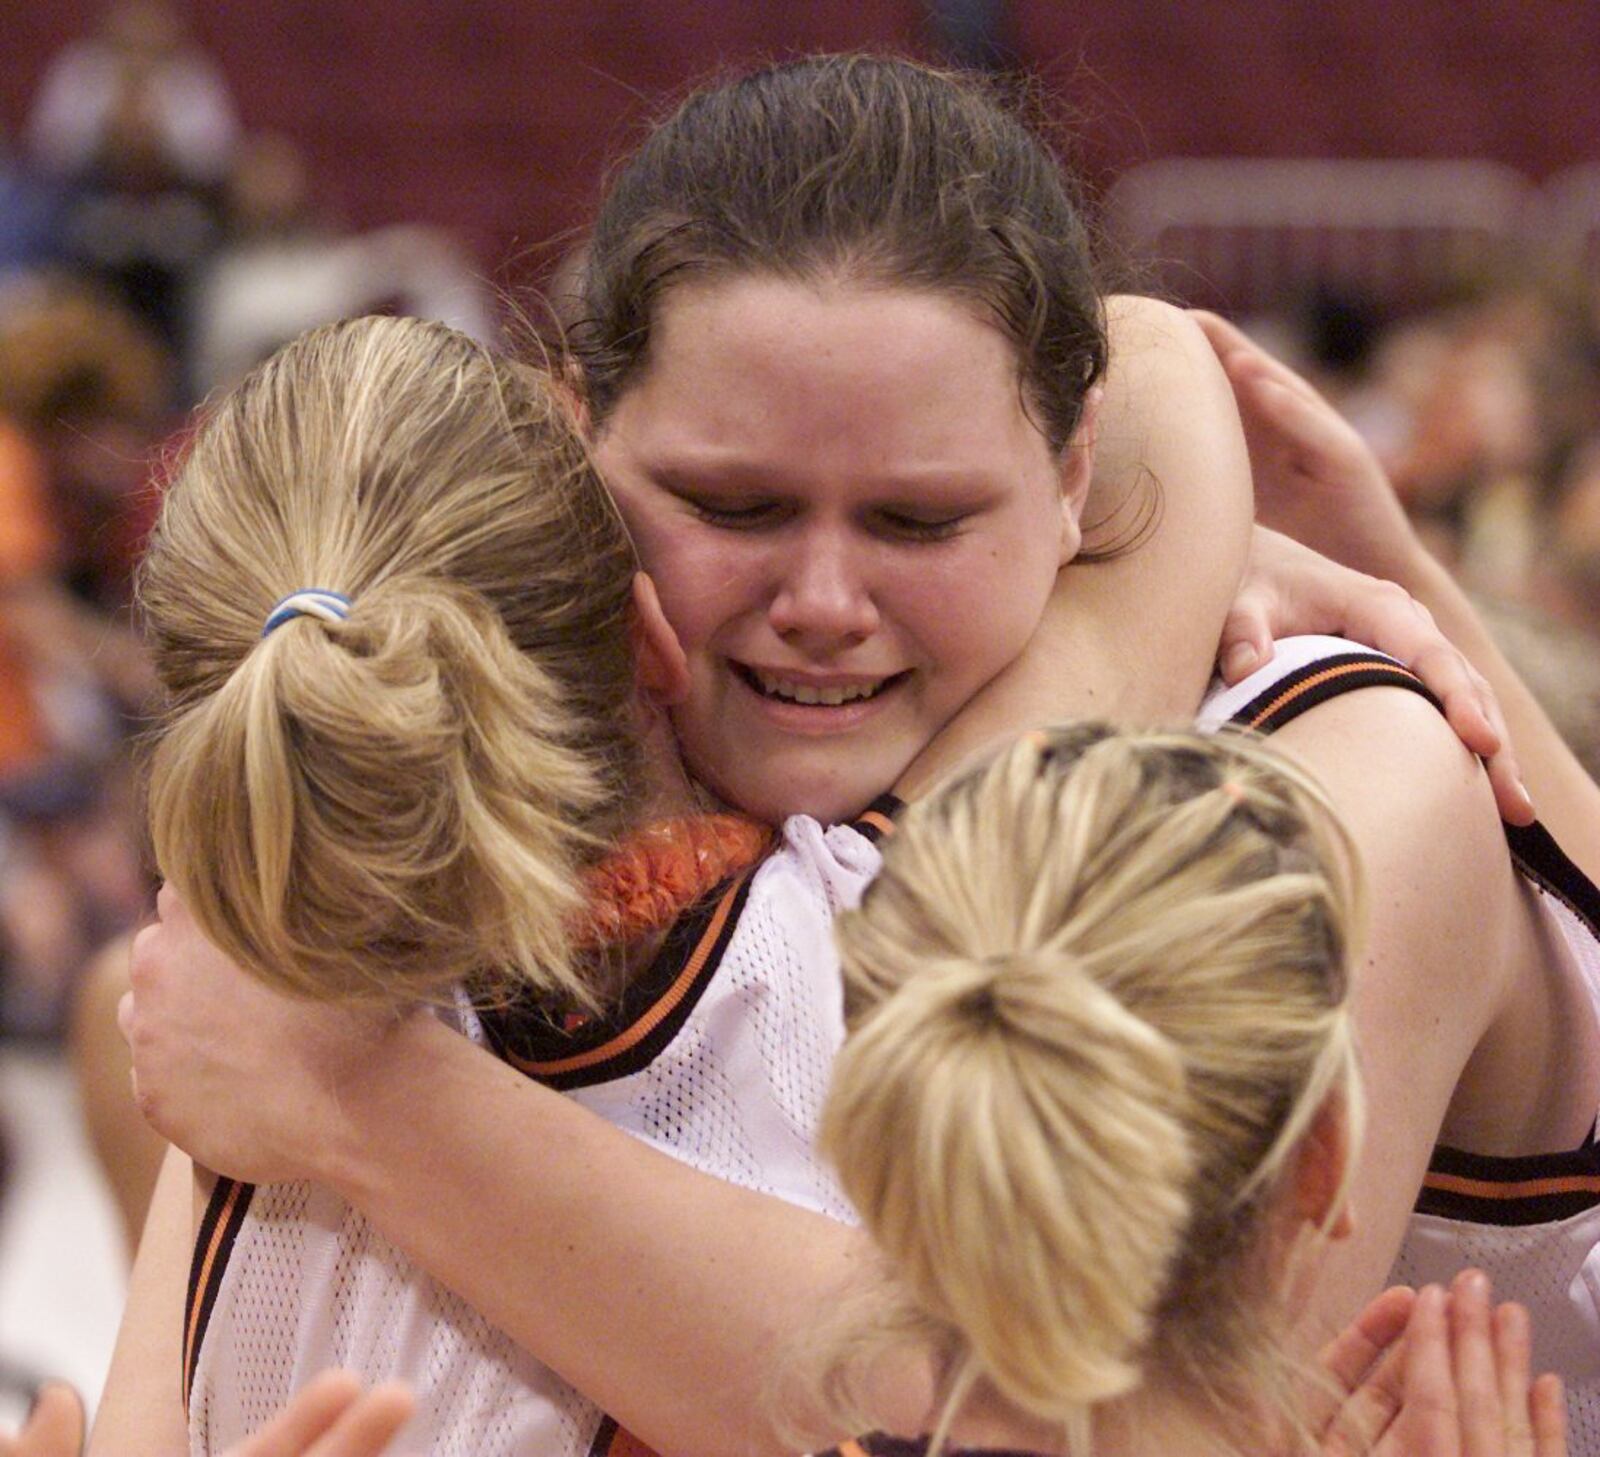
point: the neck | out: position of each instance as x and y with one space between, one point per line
1152 1422
669 792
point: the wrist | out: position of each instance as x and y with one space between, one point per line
378 1106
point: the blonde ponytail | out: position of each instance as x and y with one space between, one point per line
1097 993
1025 1101
382 807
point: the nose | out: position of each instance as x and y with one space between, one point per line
824 599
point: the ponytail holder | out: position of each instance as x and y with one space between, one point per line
308 602
1233 789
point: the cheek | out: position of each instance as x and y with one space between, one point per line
704 579
975 611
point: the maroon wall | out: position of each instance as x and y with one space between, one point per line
1515 83
496 115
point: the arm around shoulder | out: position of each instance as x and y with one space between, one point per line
141 1413
1447 923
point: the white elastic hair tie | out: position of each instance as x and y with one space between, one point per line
308 602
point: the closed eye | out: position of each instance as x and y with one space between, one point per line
736 515
909 527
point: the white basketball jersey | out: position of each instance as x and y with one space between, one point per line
719 1056
1532 1223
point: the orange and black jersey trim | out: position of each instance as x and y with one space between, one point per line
1319 681
219 1228
876 822
878 1445
616 1441
1469 1188
579 1053
1540 1188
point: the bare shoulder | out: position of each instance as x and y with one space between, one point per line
1446 926
1448 920
1417 801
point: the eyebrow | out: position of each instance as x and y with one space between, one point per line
687 476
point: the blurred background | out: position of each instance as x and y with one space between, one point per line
1406 204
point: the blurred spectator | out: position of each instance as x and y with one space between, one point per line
137 125
1486 414
30 216
142 61
283 270
92 391
82 399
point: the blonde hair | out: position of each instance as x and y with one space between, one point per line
380 808
1098 994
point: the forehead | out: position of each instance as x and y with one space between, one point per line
778 371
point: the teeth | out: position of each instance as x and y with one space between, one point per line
804 693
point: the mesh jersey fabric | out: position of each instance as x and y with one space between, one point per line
1532 1223
303 1281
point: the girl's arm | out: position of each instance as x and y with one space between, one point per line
1170 433
141 1411
1434 983
661 1293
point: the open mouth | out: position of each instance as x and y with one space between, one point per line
789 690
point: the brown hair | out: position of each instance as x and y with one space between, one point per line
381 807
872 169
1099 992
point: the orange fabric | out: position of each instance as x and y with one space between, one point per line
27 540
625 1444
27 550
658 872
638 1031
879 821
1517 1189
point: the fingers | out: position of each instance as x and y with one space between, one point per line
1511 795
1318 440
1547 1407
1477 1378
1224 338
368 1426
1513 1358
314 1409
1246 643
54 1427
1367 1364
1350 1355
1535 1412
1389 619
1242 356
330 1417
1430 1415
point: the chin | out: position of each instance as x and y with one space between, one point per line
783 794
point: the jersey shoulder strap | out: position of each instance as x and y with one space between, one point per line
1304 672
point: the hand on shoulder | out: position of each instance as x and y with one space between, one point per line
1442 1374
246 1080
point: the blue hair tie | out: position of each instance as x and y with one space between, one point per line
308 602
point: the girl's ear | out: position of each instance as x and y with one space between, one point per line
1320 1168
567 385
1077 470
662 665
